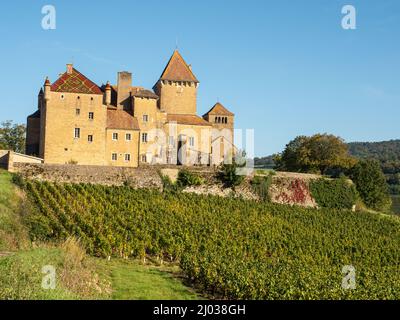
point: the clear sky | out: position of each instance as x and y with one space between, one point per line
284 67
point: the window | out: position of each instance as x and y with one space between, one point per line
171 141
115 136
77 111
62 97
114 157
127 157
90 138
91 115
191 141
77 133
143 158
145 118
128 137
144 137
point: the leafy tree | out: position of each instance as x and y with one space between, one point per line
317 153
371 184
12 136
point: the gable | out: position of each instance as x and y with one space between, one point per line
75 82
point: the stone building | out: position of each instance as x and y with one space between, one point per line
124 125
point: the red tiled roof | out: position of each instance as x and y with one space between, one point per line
75 82
120 119
219 109
187 119
178 70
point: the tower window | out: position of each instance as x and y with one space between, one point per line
77 111
115 136
145 118
191 141
77 133
90 138
144 137
114 157
91 115
171 141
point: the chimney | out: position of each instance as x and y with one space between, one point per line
47 89
108 93
69 68
124 89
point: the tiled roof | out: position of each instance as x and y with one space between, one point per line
219 109
145 94
120 119
75 82
177 70
187 119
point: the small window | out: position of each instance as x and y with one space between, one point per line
77 111
144 137
77 133
145 118
91 115
143 158
90 138
114 157
127 157
191 141
128 137
171 141
115 136
62 97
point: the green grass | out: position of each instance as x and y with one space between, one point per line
21 276
13 234
131 280
396 204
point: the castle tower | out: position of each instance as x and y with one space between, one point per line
177 87
222 137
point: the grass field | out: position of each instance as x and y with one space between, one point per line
131 280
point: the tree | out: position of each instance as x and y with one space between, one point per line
12 136
371 184
317 153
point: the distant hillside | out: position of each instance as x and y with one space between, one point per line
385 151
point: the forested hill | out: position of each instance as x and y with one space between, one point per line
383 151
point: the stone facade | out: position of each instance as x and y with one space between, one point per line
122 125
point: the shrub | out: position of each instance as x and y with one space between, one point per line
168 185
228 175
261 185
371 184
338 193
187 179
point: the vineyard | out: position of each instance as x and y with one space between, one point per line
232 248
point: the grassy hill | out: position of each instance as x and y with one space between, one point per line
229 248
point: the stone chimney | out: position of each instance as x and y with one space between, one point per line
124 86
108 93
47 89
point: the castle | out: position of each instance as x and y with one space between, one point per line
123 125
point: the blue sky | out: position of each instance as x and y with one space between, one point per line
284 68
